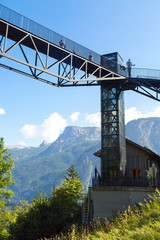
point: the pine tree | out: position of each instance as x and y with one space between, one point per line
71 173
68 196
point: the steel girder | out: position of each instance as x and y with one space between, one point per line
145 86
25 56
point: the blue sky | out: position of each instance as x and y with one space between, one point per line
31 111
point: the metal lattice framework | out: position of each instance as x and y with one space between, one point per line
113 158
146 86
48 60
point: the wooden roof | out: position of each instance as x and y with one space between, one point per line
145 149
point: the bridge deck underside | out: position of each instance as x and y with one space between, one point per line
149 81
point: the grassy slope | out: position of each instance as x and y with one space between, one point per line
141 223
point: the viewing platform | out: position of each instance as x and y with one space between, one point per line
50 36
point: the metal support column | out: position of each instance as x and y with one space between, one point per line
113 158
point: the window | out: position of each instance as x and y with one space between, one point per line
137 173
112 173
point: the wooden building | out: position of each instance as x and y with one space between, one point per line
117 192
142 168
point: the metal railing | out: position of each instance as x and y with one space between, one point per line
30 26
125 181
145 73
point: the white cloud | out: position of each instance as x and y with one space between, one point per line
49 130
2 111
74 116
133 113
93 119
130 114
21 143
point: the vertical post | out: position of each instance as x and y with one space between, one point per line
59 71
35 63
70 76
6 35
113 158
47 56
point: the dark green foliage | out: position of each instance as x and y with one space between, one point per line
6 163
69 195
71 174
48 216
38 221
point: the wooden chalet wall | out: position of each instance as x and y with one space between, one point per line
140 158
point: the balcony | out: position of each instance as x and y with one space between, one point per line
126 181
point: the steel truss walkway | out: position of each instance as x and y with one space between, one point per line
21 38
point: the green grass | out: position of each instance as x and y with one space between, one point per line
140 223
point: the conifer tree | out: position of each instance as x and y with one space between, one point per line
71 173
68 196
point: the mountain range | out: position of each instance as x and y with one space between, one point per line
44 167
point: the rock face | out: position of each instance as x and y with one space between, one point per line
73 136
146 132
86 133
44 144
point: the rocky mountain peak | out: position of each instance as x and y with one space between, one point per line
87 133
44 144
72 136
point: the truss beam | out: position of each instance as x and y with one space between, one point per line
78 70
147 87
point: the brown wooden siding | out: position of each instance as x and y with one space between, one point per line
138 159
